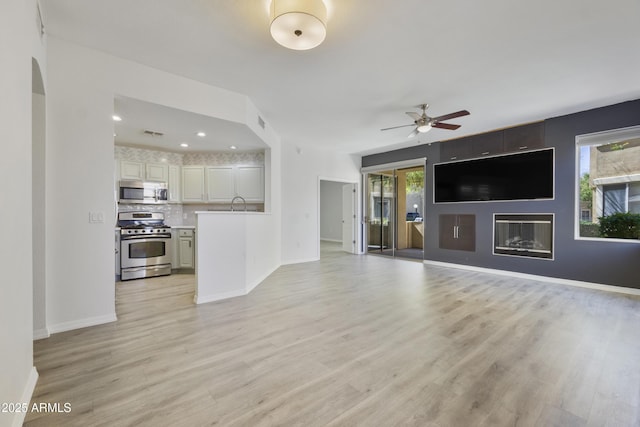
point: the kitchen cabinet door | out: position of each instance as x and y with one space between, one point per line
457 232
250 183
457 149
132 170
157 172
526 137
487 144
186 248
174 184
220 184
193 184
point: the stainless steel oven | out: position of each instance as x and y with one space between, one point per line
145 245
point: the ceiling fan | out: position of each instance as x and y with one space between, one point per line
424 123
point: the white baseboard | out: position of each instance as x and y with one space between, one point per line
330 240
251 286
39 334
569 282
202 299
82 323
27 393
300 261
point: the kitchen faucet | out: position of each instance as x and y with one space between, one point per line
243 201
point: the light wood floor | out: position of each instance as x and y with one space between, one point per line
351 340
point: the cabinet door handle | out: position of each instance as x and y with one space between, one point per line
523 147
485 153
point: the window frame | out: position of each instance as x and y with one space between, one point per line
595 139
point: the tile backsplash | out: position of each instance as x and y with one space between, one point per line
172 212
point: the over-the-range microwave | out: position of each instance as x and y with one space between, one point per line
142 192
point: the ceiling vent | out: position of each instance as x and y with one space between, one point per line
152 133
261 122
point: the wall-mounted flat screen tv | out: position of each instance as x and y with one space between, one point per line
519 176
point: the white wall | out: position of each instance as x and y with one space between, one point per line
19 43
39 215
331 210
80 288
301 169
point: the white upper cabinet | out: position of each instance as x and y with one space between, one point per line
220 183
174 184
132 170
157 172
250 183
193 184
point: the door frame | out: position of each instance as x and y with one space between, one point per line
356 224
364 171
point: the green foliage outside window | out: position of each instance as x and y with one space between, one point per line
415 181
620 225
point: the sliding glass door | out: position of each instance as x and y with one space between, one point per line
380 212
394 208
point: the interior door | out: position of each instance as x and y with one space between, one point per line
348 218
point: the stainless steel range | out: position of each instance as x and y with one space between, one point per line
145 245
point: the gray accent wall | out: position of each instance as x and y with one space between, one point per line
600 261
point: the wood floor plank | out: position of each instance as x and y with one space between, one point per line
351 341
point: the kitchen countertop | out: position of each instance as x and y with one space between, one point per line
189 227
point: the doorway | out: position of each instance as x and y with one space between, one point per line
337 215
394 206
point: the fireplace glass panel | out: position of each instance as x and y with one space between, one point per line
524 235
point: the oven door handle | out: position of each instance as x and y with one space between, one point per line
145 237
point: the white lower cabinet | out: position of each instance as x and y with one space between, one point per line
186 248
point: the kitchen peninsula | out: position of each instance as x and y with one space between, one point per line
235 251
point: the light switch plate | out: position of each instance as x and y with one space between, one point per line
96 217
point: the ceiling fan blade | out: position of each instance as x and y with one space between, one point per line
451 116
414 133
396 127
414 116
445 126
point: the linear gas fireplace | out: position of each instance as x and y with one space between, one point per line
529 235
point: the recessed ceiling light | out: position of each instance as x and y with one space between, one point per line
233 147
184 144
201 134
116 118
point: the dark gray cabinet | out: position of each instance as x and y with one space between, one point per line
519 138
456 149
487 144
526 137
458 232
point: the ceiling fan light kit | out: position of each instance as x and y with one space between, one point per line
298 24
424 123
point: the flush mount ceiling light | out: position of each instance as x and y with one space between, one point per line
201 134
184 145
298 24
116 118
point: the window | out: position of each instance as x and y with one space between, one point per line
608 177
